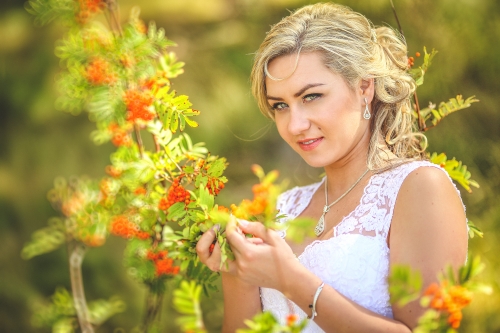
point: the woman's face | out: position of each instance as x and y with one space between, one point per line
316 112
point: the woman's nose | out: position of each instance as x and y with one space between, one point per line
298 121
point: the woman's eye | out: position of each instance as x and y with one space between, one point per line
279 106
311 97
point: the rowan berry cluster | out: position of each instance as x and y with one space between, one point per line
255 207
176 193
105 187
89 7
113 171
450 299
138 103
163 264
214 186
73 204
98 72
411 60
121 226
120 137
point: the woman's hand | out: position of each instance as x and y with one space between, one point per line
265 260
210 257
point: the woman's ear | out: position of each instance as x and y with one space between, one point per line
367 89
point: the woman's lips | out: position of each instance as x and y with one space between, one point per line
309 144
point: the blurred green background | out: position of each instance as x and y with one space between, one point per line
216 39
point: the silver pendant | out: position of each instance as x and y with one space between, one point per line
320 226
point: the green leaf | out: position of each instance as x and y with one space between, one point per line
175 124
457 171
101 310
176 211
187 302
190 122
473 230
444 109
300 228
45 240
205 200
418 73
404 284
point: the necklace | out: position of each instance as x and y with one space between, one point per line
320 226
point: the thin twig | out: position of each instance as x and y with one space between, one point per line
114 21
157 145
397 19
76 254
421 122
172 160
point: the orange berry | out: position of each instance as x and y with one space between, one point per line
432 289
291 319
436 303
417 54
140 191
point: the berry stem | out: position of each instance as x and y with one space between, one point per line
139 140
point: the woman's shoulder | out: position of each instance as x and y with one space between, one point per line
427 189
420 174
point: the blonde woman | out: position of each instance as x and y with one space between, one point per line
339 92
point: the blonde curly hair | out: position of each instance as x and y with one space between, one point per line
353 48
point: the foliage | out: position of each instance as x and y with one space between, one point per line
120 75
266 323
60 314
419 73
434 115
457 171
444 301
187 303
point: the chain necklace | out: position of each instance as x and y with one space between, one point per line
320 226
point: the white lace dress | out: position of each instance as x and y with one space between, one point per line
355 261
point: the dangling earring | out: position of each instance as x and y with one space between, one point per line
366 114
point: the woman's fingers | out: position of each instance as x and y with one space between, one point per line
203 245
214 261
256 229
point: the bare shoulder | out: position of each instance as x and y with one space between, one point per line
428 217
428 183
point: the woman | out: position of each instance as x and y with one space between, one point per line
339 92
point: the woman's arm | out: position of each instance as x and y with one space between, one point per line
241 300
272 264
428 232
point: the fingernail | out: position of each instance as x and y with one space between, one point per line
243 223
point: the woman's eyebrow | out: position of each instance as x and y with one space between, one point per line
298 93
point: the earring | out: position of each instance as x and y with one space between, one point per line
366 114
